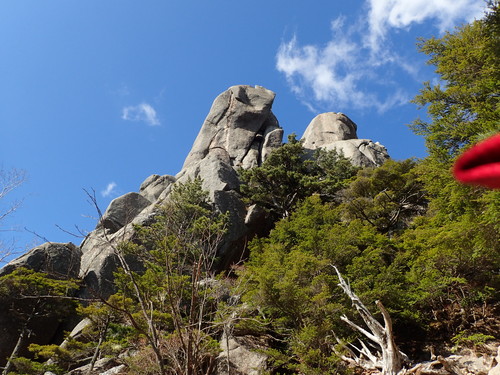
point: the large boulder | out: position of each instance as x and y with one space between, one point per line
242 355
60 260
240 131
122 210
336 131
237 123
99 255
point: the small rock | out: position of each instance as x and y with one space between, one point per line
113 370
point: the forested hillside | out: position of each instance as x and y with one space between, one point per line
406 234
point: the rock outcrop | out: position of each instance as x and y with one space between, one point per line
239 132
336 131
122 210
240 124
240 355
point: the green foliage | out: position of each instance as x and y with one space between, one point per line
172 304
391 248
331 172
32 295
281 181
24 282
466 106
387 197
289 175
470 340
290 279
26 366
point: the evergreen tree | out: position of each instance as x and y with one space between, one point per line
29 298
173 303
465 106
289 175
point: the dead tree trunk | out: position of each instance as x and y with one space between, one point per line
25 333
389 359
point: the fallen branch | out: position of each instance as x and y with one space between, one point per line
388 358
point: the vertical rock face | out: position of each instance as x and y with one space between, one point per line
336 131
239 132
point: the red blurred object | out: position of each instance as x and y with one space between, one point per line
480 165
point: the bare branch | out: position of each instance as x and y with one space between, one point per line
389 359
9 181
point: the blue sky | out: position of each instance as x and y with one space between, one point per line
101 94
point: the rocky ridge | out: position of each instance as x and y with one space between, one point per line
240 131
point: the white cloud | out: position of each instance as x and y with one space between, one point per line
400 14
352 69
109 190
335 75
143 112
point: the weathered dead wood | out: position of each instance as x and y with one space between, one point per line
388 358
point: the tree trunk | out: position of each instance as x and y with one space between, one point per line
24 333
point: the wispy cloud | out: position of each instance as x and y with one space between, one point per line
400 14
336 74
352 69
110 190
143 112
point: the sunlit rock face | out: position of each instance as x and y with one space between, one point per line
241 124
240 131
336 131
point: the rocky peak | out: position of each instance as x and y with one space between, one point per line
337 131
329 127
240 131
240 125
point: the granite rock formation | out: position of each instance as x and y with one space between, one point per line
239 132
336 131
59 260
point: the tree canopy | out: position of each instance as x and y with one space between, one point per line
464 106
